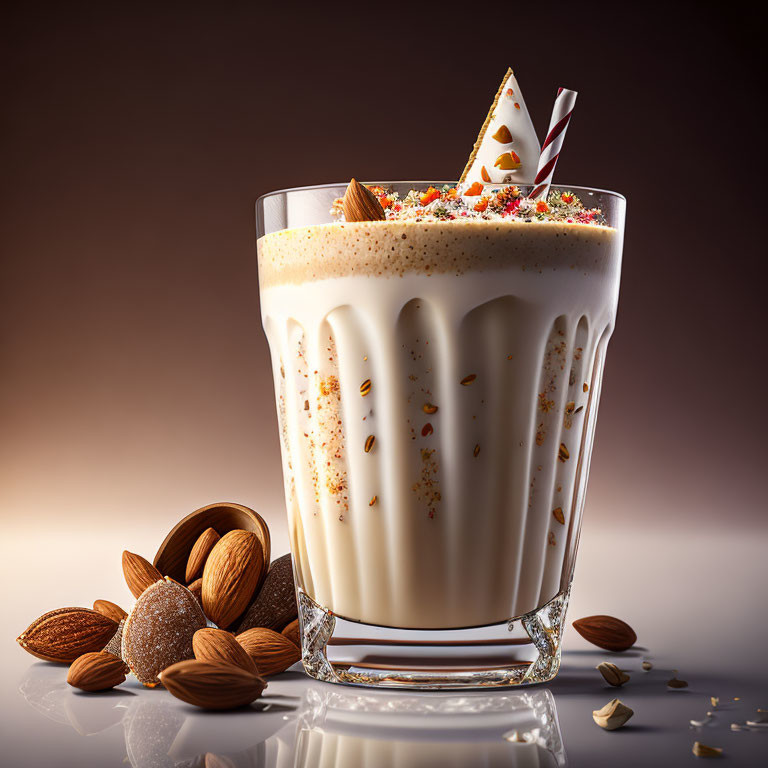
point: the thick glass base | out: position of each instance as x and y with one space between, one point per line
522 651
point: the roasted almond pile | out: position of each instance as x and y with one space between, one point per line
212 617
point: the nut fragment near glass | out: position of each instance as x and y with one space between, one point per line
563 454
613 715
467 380
675 683
558 515
612 674
702 750
369 441
365 387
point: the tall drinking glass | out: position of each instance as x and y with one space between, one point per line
437 385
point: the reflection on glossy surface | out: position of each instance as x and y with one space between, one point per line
333 727
338 729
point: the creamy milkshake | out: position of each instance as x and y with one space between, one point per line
437 383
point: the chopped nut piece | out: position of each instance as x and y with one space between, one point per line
714 700
365 387
563 454
646 665
429 409
613 715
369 441
675 683
702 750
467 380
427 430
612 674
476 450
559 516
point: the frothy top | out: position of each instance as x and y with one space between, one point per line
397 247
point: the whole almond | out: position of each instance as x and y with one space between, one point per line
97 671
271 651
292 632
110 609
606 632
212 684
275 603
360 204
219 645
139 573
64 634
196 588
233 571
199 554
612 674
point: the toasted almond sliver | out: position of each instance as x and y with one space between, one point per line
702 750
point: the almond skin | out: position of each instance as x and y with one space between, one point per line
212 684
139 573
97 671
360 204
271 651
218 645
66 633
233 571
606 632
199 554
110 609
292 633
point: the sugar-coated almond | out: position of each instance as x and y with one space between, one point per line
159 630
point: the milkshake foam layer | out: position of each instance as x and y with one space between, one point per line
437 386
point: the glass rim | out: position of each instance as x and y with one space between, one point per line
418 183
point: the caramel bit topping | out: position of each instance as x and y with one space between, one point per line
369 441
586 387
306 405
503 136
373 500
427 430
365 387
467 380
429 409
563 454
558 514
545 404
476 450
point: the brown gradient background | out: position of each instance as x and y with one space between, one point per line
135 383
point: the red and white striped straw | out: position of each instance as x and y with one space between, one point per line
550 150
